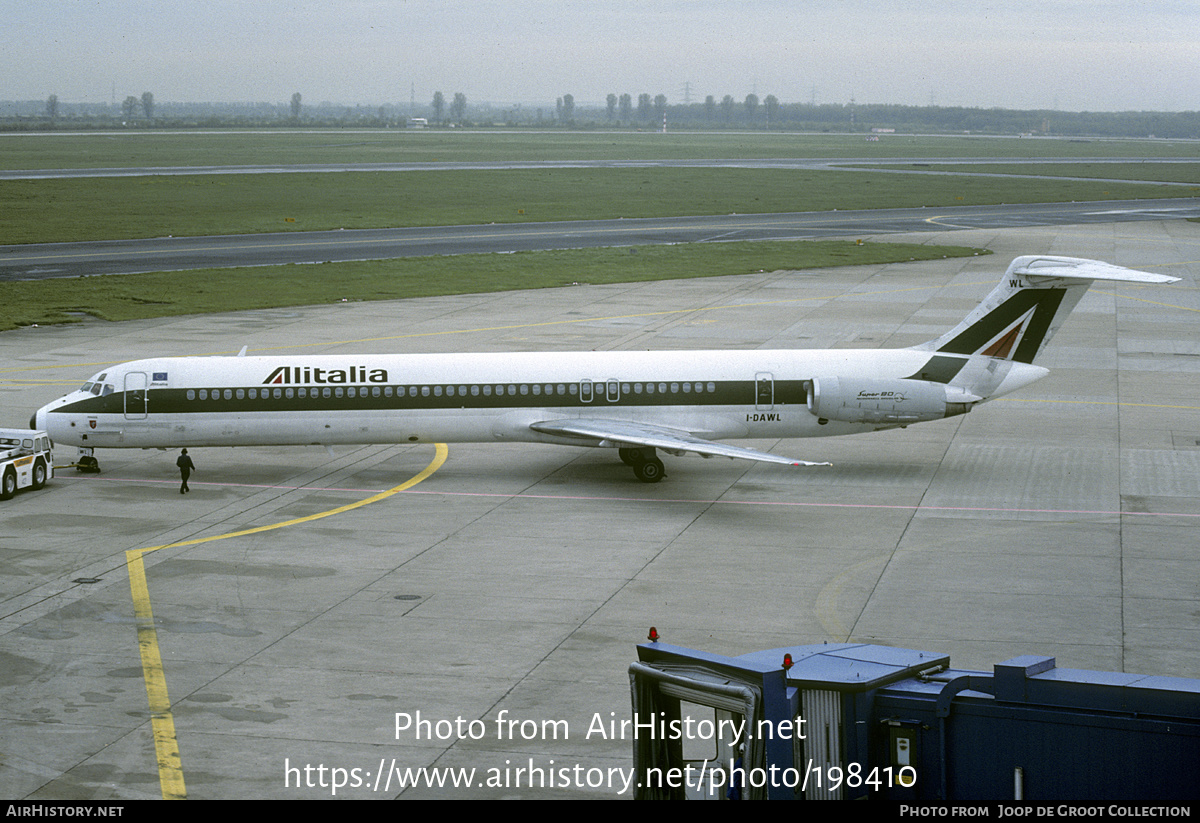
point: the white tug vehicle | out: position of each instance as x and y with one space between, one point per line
26 460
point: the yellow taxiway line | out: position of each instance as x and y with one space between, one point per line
166 745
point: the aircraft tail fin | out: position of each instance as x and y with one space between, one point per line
1029 304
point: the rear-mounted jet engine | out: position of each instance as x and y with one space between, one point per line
887 401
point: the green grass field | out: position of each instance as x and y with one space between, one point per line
46 211
87 209
162 148
139 296
61 210
1165 172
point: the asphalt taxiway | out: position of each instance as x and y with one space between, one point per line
511 583
39 261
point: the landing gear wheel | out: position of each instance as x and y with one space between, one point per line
88 464
9 487
39 474
631 457
650 471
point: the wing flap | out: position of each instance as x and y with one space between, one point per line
625 434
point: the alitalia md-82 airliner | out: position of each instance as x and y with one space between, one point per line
639 403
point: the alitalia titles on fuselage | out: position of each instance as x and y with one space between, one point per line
289 375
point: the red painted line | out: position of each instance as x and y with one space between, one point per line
801 504
611 499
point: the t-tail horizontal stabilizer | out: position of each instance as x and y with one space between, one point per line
1018 318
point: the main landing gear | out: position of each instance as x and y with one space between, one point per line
647 467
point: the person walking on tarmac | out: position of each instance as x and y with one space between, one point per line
186 467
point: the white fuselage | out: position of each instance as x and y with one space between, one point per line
398 398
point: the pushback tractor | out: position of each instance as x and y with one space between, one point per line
26 460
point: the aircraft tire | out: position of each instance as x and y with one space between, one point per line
650 471
9 487
39 474
88 464
630 457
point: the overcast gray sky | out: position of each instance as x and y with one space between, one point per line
1098 55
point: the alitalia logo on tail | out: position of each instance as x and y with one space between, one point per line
291 375
1013 330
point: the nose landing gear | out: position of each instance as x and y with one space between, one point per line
87 462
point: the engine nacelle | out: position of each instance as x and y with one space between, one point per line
887 401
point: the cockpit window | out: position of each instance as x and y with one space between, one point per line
96 387
108 389
86 387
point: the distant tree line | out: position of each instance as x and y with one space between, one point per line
618 111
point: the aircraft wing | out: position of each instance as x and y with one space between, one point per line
627 434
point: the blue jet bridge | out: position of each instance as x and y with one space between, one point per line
854 721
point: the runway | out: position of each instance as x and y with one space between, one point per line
183 253
514 581
796 163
